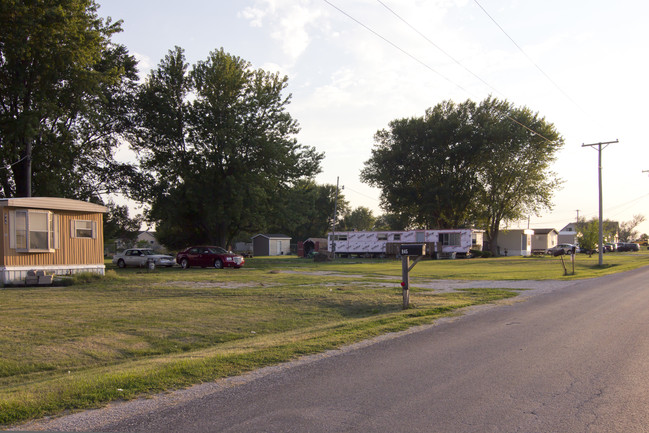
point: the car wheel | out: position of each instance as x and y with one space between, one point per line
184 263
121 264
218 264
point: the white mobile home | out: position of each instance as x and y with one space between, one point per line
439 243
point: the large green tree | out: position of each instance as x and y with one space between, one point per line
517 150
465 165
64 99
217 146
425 166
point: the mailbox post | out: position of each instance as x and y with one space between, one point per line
417 250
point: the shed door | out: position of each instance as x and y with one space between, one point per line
279 248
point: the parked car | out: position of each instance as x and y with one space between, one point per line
566 248
141 257
628 246
610 247
205 256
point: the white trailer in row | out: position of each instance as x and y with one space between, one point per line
439 243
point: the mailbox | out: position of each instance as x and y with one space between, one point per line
413 250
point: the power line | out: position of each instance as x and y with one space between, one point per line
364 195
530 59
395 45
438 47
505 115
20 160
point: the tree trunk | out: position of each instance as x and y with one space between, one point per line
221 235
23 172
493 242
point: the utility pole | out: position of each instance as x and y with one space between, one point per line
601 211
577 215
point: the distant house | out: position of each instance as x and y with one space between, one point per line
543 239
515 242
271 245
568 234
148 239
50 235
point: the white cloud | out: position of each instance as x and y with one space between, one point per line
144 65
254 15
288 22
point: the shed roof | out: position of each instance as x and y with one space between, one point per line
272 236
53 203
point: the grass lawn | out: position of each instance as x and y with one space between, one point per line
135 332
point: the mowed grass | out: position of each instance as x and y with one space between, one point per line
135 332
500 268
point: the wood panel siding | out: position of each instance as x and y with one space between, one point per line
76 251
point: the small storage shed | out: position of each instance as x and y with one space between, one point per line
515 242
271 245
544 239
51 236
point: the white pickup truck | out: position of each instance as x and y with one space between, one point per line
141 257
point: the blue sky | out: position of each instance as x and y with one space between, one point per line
347 82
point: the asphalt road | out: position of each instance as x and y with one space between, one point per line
569 360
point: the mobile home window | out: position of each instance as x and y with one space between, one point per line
382 236
397 236
39 226
83 229
452 239
33 231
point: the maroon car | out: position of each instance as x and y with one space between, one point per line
208 256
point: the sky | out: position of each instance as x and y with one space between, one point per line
355 65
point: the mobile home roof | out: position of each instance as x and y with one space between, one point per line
53 203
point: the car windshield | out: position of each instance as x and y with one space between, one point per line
218 250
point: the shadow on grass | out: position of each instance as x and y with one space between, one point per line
603 266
